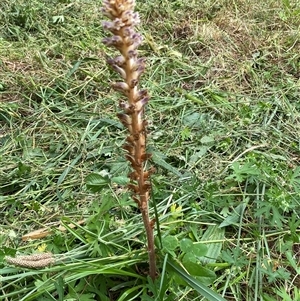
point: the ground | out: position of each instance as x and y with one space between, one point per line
223 130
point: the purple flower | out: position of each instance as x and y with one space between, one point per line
113 26
121 86
115 41
138 71
131 18
131 54
120 70
119 61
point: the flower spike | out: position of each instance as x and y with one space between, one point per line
130 67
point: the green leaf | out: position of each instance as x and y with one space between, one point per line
207 139
268 298
158 158
107 203
74 232
128 292
68 169
189 257
194 283
193 120
96 182
83 297
120 180
185 245
23 169
74 68
200 153
203 274
214 234
199 250
191 249
59 286
234 217
170 243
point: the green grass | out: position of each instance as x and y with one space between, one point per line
224 124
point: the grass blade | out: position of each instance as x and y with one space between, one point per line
195 284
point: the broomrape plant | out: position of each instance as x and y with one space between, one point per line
130 67
124 38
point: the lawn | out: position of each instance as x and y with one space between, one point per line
223 131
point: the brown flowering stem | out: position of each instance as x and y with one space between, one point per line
130 67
